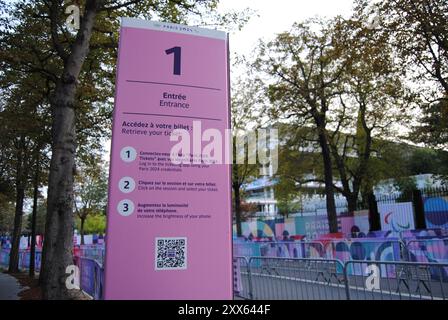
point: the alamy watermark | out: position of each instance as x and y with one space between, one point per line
73 18
257 147
373 279
72 282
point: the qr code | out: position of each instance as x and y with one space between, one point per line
171 253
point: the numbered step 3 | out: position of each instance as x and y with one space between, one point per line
125 207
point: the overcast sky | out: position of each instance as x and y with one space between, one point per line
275 16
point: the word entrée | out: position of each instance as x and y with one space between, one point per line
173 100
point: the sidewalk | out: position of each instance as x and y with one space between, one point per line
9 287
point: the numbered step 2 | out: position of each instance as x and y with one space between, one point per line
125 207
126 184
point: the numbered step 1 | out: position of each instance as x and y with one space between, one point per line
128 154
125 207
126 184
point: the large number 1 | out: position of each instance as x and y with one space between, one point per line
177 57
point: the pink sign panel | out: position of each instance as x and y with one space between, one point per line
169 222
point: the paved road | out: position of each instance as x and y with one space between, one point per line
9 287
306 286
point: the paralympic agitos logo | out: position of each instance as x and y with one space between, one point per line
396 226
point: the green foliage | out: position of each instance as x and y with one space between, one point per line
337 84
418 30
287 193
40 218
433 129
247 107
305 68
95 223
405 185
298 160
35 43
91 189
247 210
6 215
287 207
423 161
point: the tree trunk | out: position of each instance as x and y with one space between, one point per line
349 195
33 219
328 178
419 210
20 195
352 202
374 215
236 191
14 254
83 219
57 251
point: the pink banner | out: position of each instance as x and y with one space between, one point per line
169 224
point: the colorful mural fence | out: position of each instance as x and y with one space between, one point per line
428 250
341 249
367 250
24 259
396 219
311 227
436 212
287 249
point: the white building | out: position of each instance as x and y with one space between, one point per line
261 192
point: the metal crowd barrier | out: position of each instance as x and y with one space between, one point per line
91 273
242 286
390 280
95 252
272 278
